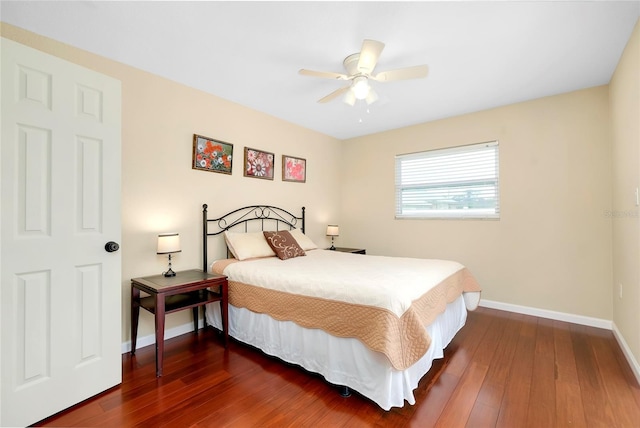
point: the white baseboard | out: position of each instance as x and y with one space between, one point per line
168 334
544 313
635 367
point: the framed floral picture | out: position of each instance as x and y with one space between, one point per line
211 155
294 169
258 164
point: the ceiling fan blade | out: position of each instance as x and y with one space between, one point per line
414 72
334 94
323 74
369 54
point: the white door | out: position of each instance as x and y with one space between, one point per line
60 293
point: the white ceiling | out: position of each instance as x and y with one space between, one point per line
480 54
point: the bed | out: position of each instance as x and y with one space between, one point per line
372 324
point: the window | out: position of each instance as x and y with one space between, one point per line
458 182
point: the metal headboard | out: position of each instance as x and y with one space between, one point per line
265 214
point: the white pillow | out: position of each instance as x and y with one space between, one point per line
303 240
248 245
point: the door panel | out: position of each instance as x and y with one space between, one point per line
60 292
33 172
32 291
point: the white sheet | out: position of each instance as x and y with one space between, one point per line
343 361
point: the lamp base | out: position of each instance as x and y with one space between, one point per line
170 272
332 246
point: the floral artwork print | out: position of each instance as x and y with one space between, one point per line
212 155
258 164
294 169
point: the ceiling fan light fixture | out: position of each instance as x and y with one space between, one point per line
360 87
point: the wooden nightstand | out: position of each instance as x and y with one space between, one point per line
188 289
351 250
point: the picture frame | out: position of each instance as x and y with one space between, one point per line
258 163
212 155
294 169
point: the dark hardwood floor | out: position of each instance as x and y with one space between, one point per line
502 369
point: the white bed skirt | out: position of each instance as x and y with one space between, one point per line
342 361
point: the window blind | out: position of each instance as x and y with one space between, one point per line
458 182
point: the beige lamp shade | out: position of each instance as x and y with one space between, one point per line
333 230
168 243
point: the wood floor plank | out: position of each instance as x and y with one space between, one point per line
436 386
495 381
484 414
430 406
501 369
569 405
435 391
597 409
226 402
515 401
542 402
276 410
185 402
472 335
303 411
456 412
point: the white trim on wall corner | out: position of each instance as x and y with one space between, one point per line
544 313
635 367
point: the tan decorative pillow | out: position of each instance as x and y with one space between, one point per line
284 245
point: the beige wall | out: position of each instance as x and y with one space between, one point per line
551 248
160 191
624 93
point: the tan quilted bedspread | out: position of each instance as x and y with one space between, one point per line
403 339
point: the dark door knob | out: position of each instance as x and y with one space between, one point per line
111 247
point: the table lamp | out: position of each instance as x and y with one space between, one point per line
333 231
169 243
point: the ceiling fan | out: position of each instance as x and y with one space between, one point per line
360 68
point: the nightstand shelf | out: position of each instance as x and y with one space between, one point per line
178 302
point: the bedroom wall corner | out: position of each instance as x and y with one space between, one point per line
624 91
